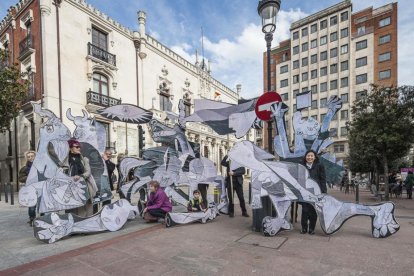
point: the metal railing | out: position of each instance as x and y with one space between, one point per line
101 100
101 54
26 44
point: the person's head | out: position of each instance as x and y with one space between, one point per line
30 156
74 146
108 154
154 186
311 157
197 194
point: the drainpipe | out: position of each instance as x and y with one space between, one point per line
137 43
16 142
57 6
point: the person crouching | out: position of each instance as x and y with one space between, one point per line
158 204
196 204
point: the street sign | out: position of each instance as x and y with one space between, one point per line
264 103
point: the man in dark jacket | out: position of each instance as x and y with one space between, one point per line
237 178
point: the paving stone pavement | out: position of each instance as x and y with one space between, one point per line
228 247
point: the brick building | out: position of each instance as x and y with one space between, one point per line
335 52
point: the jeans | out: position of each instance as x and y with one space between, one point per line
32 212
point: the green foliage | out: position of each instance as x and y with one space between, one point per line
382 128
13 90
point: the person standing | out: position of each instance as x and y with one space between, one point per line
110 167
345 180
237 178
77 166
409 183
317 173
23 173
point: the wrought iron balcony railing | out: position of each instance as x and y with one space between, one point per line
101 100
26 44
101 54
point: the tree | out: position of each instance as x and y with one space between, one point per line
13 89
382 127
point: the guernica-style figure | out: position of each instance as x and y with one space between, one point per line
173 165
285 182
309 134
112 217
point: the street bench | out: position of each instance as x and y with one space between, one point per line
375 192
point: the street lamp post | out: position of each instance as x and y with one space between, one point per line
268 10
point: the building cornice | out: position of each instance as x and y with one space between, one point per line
325 12
155 44
102 17
19 8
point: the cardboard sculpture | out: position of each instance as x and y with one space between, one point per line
308 134
285 182
174 165
50 189
112 217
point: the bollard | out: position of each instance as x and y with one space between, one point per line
357 192
0 191
11 194
6 198
216 193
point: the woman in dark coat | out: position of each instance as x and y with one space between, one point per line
317 173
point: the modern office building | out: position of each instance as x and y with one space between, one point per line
335 52
80 58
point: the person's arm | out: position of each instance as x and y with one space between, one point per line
189 207
225 161
22 175
87 168
239 171
157 201
322 179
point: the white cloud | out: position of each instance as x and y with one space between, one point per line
183 50
239 60
154 34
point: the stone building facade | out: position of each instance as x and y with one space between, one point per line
80 58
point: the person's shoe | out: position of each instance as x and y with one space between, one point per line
231 215
246 215
303 231
311 232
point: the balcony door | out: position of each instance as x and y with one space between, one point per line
100 84
99 39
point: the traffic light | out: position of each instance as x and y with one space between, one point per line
141 141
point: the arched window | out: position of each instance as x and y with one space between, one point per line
100 84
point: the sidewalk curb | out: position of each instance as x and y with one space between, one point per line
24 268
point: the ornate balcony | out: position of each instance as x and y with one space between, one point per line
101 54
26 47
101 100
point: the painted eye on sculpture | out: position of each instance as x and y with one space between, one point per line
49 128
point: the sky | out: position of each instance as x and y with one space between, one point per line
233 41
